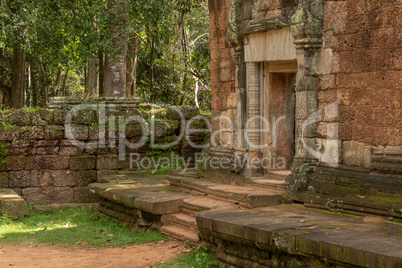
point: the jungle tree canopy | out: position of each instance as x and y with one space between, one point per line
49 47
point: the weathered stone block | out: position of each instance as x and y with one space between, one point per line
83 178
71 150
22 147
19 118
84 117
4 181
134 130
94 149
83 195
330 151
306 147
46 178
52 162
16 162
93 133
158 129
83 162
46 115
77 132
353 153
12 204
111 162
45 147
32 133
309 130
48 195
19 179
368 155
9 134
306 103
59 116
159 203
54 132
36 120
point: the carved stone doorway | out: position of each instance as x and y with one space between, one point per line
279 110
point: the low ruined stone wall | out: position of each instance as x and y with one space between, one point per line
50 156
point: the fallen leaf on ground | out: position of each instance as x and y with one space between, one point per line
39 224
361 196
110 235
32 233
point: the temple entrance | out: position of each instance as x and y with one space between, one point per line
278 86
271 78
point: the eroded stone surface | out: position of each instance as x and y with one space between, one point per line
300 232
12 204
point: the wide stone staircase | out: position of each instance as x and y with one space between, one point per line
170 202
253 225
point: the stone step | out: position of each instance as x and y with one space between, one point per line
12 205
181 234
190 172
322 239
275 180
195 204
246 196
266 183
183 221
153 200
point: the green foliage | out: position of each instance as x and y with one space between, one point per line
31 109
71 226
5 124
85 155
173 57
4 151
197 258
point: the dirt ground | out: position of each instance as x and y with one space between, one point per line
143 255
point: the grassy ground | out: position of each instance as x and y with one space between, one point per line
71 226
197 258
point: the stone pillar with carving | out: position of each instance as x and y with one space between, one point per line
253 135
307 29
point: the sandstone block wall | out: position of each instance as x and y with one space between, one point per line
41 163
366 74
222 65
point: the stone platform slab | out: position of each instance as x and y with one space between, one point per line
249 197
11 204
292 235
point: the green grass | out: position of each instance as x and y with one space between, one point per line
81 226
198 258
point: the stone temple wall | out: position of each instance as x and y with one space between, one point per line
40 162
222 67
348 64
365 38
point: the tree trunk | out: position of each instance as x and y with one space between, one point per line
28 86
114 76
101 66
34 90
63 88
43 83
114 70
18 87
90 78
152 82
131 83
56 85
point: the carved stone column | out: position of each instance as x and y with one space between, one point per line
253 135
